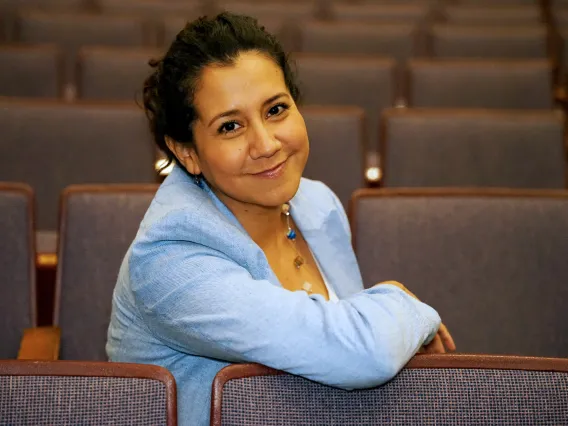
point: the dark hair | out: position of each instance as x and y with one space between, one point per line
169 90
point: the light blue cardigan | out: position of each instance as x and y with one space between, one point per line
195 292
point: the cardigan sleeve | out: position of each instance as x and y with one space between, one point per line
198 301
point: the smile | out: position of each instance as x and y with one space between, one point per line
274 172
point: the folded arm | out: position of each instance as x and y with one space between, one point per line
204 304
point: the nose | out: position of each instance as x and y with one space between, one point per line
262 142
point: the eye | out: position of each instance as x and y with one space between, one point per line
277 109
228 127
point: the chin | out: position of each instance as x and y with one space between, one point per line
279 194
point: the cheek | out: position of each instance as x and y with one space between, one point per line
226 158
294 134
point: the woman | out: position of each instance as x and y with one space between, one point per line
238 258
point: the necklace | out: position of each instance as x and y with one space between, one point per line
291 236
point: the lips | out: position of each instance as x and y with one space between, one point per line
273 172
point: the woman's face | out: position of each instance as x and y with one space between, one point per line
252 144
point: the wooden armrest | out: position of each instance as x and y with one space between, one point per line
40 343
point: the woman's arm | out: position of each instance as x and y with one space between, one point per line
199 302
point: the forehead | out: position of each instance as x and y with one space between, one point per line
251 79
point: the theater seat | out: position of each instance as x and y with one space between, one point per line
86 393
479 148
492 262
482 41
107 73
431 389
17 266
337 148
493 14
31 71
51 144
72 30
367 82
476 83
98 223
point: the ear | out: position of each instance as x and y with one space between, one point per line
186 155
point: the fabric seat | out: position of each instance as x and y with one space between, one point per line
151 8
399 41
267 10
387 12
285 29
98 223
431 389
31 71
48 5
113 73
511 149
367 82
337 148
86 393
493 14
498 2
471 83
71 31
492 262
51 145
17 266
477 41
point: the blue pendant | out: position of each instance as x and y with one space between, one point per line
291 235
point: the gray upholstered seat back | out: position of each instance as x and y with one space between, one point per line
482 148
260 10
393 40
71 31
113 73
487 14
477 41
386 12
493 263
86 393
97 227
369 83
453 83
51 145
17 263
425 395
34 71
337 148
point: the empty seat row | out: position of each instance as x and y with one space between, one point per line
417 12
489 260
51 145
522 390
372 83
73 30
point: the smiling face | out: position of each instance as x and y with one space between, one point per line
251 141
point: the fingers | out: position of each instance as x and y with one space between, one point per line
442 342
446 338
435 346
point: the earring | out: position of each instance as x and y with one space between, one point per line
198 181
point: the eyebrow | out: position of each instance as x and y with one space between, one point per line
236 111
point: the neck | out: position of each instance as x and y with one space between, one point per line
265 225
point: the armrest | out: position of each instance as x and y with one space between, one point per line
40 343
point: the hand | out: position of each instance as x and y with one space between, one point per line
442 342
